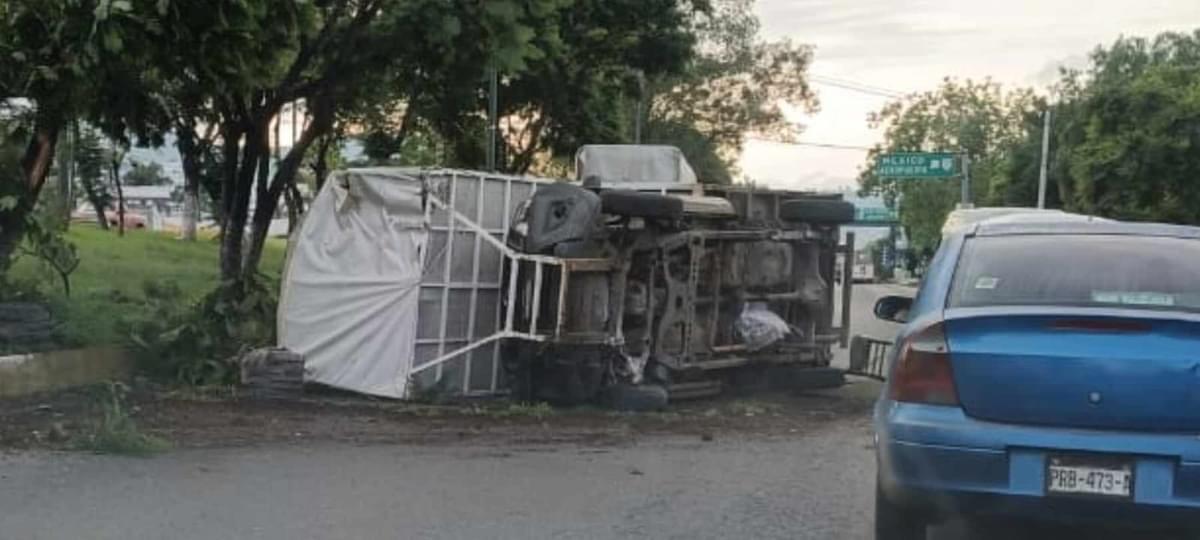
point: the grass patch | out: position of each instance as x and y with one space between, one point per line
112 272
537 410
115 432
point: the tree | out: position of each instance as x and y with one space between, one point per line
199 168
146 174
981 119
1125 142
91 166
116 156
64 59
237 63
579 90
738 84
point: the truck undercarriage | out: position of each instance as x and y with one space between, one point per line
637 292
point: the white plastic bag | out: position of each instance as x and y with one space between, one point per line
760 327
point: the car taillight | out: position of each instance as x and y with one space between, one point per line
923 373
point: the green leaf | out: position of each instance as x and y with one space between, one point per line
163 5
137 340
123 6
19 56
47 73
501 9
172 334
8 202
101 11
451 27
112 41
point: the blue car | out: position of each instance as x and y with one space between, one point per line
1046 371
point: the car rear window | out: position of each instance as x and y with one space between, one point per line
1079 270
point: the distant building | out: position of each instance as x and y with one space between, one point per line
147 197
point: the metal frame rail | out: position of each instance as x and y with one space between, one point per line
513 259
869 357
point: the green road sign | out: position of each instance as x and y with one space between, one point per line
869 214
917 165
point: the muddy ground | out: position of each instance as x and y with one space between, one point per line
219 418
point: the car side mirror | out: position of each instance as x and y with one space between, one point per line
893 308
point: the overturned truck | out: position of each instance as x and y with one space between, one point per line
629 285
655 284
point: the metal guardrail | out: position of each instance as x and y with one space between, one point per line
869 357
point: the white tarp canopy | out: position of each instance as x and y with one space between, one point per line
351 284
631 163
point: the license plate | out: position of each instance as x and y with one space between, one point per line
1082 475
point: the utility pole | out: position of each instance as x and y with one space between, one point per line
493 85
639 108
66 174
966 181
1041 202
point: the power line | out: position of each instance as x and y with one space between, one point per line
859 89
869 86
834 146
859 84
855 86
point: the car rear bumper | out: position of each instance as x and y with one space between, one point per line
939 460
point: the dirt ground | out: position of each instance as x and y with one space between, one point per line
196 419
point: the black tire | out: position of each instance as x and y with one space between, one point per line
636 398
820 211
894 522
636 204
517 365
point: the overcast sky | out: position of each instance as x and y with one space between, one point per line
909 45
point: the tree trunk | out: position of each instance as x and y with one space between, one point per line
190 158
260 226
89 190
321 123
321 165
295 204
88 184
35 166
191 211
239 183
115 168
264 163
66 176
229 163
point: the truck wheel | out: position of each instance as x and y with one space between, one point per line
893 522
636 204
821 211
517 365
636 398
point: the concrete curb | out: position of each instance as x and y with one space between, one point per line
24 374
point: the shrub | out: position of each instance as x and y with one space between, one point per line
198 343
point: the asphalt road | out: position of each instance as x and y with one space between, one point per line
816 484
862 320
812 487
811 484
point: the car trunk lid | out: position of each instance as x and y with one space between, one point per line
1080 369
